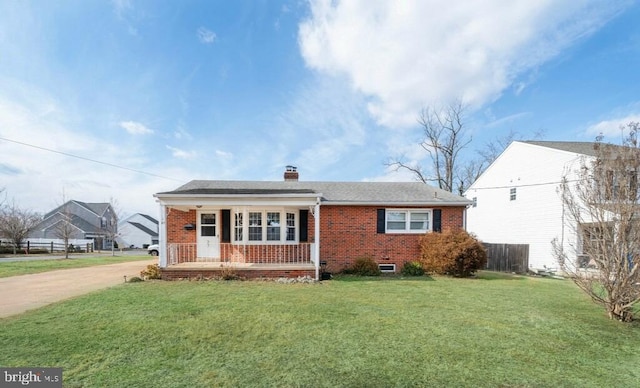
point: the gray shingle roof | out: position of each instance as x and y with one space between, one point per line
332 192
578 147
144 229
148 217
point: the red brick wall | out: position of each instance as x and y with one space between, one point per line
176 220
349 232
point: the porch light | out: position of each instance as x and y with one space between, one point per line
189 227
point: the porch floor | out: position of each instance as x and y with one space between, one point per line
208 269
213 265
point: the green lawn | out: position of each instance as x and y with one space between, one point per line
14 268
497 331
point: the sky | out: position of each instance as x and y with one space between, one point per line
117 100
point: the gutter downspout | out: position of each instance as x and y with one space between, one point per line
162 237
316 218
464 218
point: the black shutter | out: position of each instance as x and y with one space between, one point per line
381 220
226 226
437 220
304 226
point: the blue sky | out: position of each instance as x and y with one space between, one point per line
178 90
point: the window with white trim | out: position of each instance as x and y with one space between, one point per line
272 226
291 226
238 227
255 226
408 221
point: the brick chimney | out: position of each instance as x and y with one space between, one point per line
291 173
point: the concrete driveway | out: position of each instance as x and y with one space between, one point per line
27 292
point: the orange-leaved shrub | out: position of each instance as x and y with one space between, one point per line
453 252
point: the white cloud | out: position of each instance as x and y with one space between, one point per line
404 55
182 133
206 36
224 154
322 126
135 128
43 142
120 7
182 154
612 128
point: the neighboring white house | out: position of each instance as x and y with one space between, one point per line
516 200
138 231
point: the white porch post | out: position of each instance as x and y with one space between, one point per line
316 238
162 237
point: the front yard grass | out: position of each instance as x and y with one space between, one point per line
25 267
495 331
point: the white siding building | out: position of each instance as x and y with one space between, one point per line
138 231
515 201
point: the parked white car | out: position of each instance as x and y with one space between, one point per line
153 249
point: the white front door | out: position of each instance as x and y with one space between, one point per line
208 238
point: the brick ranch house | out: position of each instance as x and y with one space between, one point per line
292 228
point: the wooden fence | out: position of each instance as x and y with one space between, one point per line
507 257
44 247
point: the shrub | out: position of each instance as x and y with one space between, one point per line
412 268
452 252
135 279
228 273
364 266
152 272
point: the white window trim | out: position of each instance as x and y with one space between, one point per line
283 226
407 227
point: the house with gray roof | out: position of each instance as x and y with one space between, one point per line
516 199
138 231
291 228
90 221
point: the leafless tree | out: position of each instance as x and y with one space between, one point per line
17 223
110 223
443 139
600 199
65 229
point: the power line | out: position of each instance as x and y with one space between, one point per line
525 185
91 160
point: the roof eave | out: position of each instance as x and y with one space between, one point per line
225 196
397 203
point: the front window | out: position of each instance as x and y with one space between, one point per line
255 226
408 221
419 221
396 220
267 226
239 230
273 226
512 194
291 227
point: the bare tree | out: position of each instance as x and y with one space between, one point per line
600 200
17 223
444 139
64 229
110 223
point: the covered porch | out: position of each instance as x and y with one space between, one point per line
269 234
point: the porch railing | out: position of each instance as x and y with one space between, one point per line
301 253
